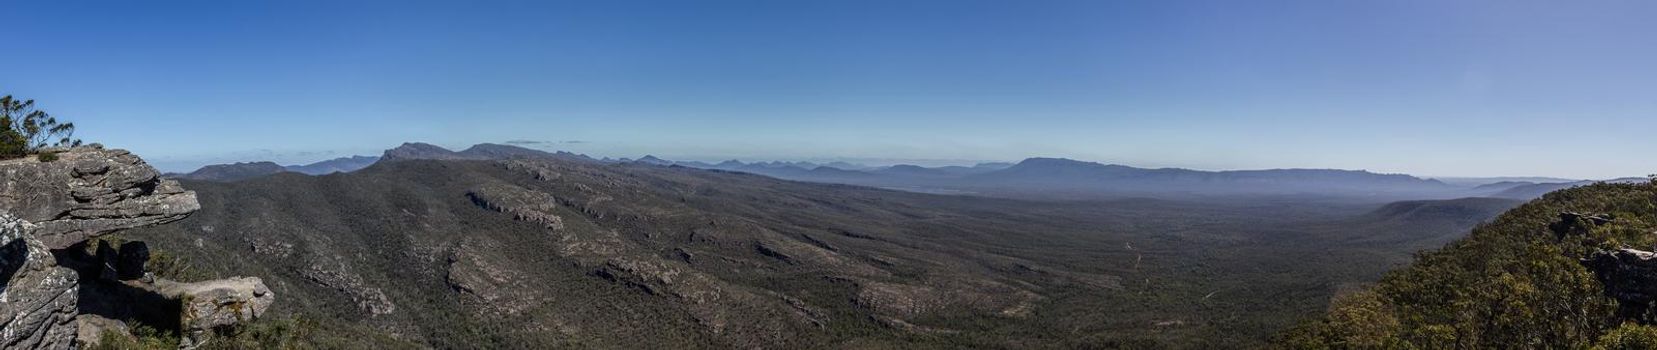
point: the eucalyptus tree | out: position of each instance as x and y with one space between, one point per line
28 130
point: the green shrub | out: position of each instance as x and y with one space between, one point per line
47 156
142 338
1630 336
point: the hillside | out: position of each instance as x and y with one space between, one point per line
234 172
1556 272
556 251
1443 215
336 165
544 252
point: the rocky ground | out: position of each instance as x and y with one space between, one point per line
62 290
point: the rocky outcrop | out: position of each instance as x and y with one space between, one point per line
1628 275
524 205
89 192
339 276
213 304
54 281
37 302
1577 224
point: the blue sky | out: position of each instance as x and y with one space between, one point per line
1423 87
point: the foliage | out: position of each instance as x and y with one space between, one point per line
1629 336
1512 283
170 266
296 332
143 337
28 130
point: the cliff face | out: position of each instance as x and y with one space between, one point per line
52 287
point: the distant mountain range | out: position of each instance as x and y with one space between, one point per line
249 170
482 151
1043 176
1050 175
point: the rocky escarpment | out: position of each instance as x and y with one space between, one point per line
56 285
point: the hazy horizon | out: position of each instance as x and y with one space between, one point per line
188 164
1474 88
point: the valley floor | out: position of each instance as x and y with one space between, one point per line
550 252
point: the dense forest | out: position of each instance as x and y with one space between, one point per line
1522 281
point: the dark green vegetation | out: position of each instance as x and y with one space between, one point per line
1516 282
283 332
25 130
562 252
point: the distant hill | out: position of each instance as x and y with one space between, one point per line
649 159
407 151
482 151
1422 224
1528 191
1477 181
1058 173
913 170
336 165
417 150
234 172
1498 187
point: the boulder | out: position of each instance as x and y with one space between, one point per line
93 327
213 304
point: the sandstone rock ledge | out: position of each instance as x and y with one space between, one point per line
52 285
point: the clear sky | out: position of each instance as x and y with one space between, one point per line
1433 87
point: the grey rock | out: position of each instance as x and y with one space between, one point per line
213 304
46 207
89 192
93 327
38 300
